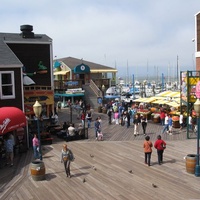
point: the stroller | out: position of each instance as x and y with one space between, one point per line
99 135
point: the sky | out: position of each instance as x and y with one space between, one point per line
140 37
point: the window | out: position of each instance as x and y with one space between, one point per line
7 85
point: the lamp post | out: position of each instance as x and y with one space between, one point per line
103 90
70 113
197 110
37 108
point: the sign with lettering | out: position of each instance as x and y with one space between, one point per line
198 90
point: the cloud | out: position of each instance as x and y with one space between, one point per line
111 32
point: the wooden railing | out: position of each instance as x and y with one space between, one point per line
95 89
37 87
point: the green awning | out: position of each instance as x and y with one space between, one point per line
82 69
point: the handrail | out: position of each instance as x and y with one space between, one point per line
95 89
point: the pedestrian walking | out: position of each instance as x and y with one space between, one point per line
59 104
97 127
116 117
147 150
170 123
136 123
166 127
190 122
128 119
35 143
9 150
162 118
181 121
109 113
82 118
144 123
67 157
89 118
160 145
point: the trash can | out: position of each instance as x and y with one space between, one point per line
191 163
37 170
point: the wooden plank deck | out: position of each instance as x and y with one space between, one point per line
106 172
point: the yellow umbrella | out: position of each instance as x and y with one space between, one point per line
139 100
173 104
150 100
162 94
160 101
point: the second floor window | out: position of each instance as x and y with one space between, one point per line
7 85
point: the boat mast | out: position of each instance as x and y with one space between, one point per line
177 72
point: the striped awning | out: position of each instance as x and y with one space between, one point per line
173 104
160 101
149 100
139 100
164 94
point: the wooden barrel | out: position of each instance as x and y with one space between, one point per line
104 110
156 120
37 170
176 124
99 109
191 163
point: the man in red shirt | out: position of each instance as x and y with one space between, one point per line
160 145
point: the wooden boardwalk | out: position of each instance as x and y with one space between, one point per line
105 166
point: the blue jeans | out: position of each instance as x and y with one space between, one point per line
35 151
89 123
162 121
166 128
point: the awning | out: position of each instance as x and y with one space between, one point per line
102 70
61 72
160 101
139 100
163 94
149 100
173 104
111 96
175 94
11 118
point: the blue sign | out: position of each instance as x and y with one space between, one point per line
99 100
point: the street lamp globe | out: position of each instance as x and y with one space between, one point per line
37 109
103 87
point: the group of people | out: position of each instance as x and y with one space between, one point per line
67 155
7 148
123 115
160 146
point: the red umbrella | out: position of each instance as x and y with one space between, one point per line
11 118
